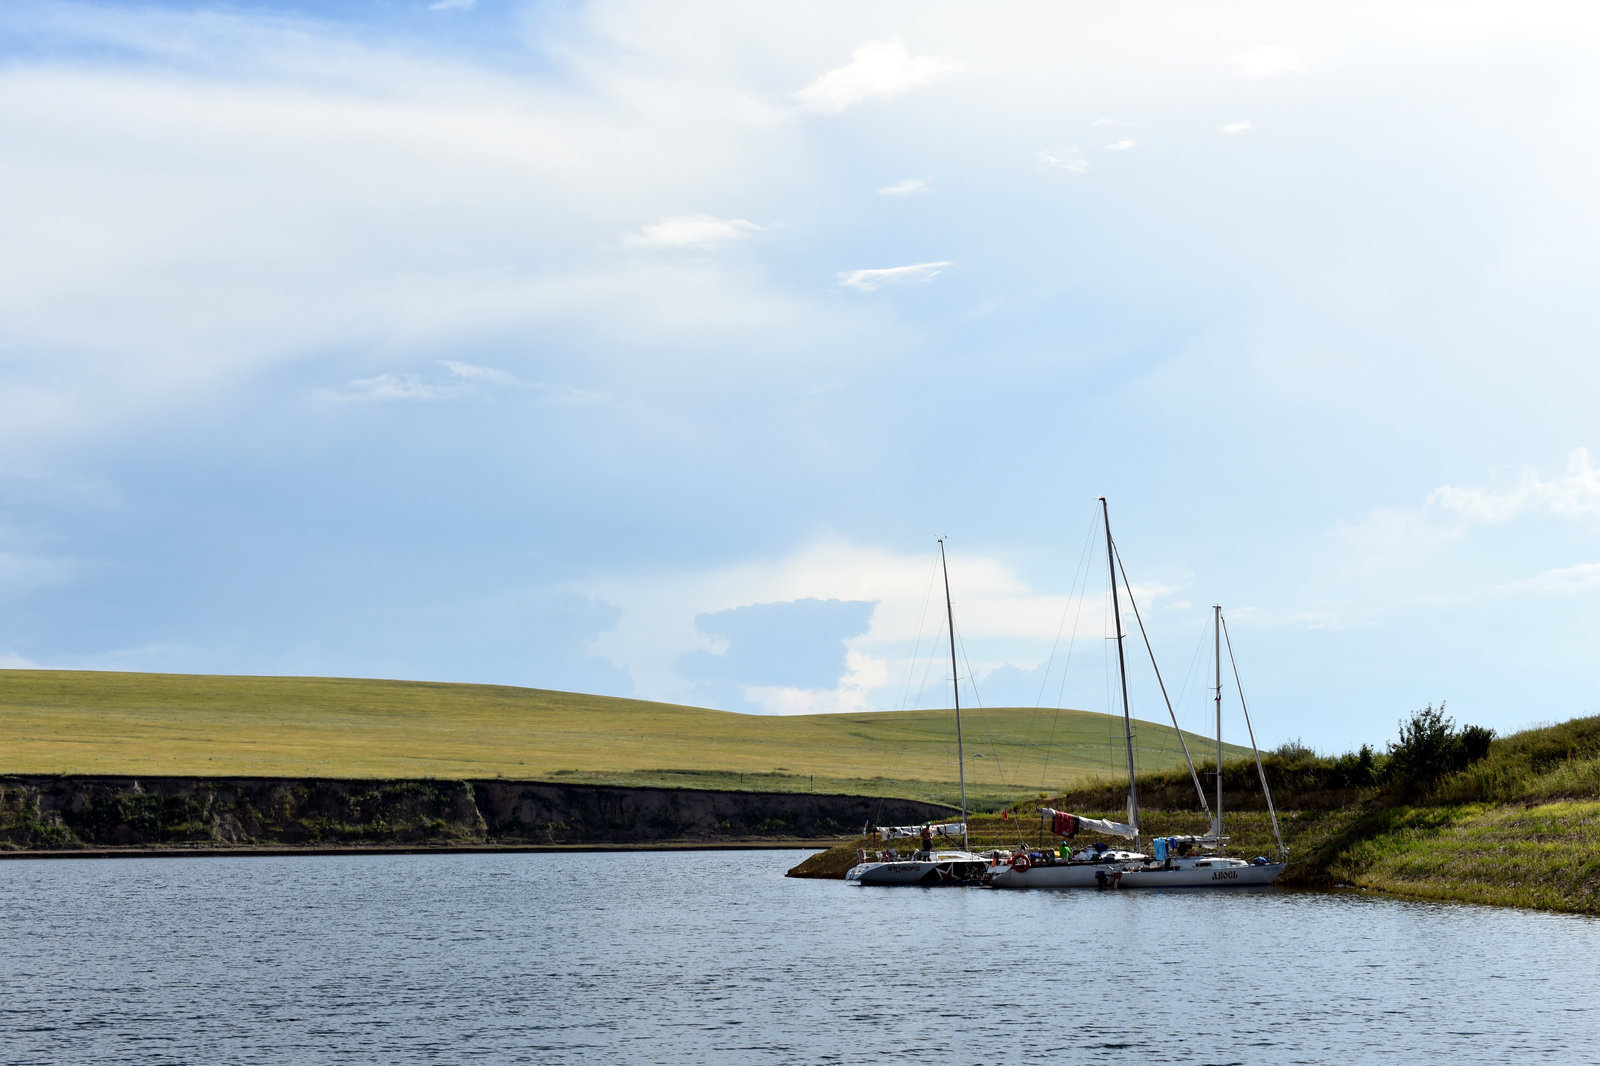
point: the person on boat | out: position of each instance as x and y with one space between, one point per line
927 841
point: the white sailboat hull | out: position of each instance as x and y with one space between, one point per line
1216 874
945 868
1075 874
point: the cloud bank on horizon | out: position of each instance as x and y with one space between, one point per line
619 346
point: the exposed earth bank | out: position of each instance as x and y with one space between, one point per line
48 813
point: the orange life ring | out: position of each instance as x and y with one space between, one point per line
1020 861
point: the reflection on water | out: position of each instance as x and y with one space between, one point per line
715 957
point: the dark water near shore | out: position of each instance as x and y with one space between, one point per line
715 957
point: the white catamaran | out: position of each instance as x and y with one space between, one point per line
932 867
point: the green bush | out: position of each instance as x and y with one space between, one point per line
1430 747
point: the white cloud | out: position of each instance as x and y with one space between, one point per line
1120 146
10 661
691 231
1000 618
1390 536
485 374
463 381
904 188
872 280
858 690
1576 494
386 387
1237 127
876 71
1267 61
1069 160
452 5
1566 581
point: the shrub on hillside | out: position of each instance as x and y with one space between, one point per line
1430 747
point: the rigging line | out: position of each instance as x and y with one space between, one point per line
922 621
1261 770
894 756
1115 752
972 686
1152 652
1074 597
1194 660
1067 609
885 748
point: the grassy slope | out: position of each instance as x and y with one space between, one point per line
115 723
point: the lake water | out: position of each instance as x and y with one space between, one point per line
715 957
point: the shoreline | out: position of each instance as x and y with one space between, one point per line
280 851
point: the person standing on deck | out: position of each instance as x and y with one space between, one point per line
927 841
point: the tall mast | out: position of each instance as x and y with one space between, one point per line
1122 675
1216 624
955 686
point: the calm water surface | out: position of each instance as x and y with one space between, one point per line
717 958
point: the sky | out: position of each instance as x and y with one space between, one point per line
646 349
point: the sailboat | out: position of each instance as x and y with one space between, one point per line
1096 867
1201 870
932 867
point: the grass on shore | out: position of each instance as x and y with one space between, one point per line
79 722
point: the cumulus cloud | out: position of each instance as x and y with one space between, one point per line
1237 127
873 280
1267 61
904 188
1120 146
691 231
898 661
876 71
857 690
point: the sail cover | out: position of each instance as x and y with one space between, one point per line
946 829
1064 824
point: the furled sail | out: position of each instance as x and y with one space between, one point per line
946 829
1064 824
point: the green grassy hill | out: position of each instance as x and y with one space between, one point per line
79 722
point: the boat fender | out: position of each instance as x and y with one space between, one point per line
1020 861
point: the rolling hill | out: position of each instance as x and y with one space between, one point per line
81 722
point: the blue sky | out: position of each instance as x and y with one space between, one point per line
645 349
